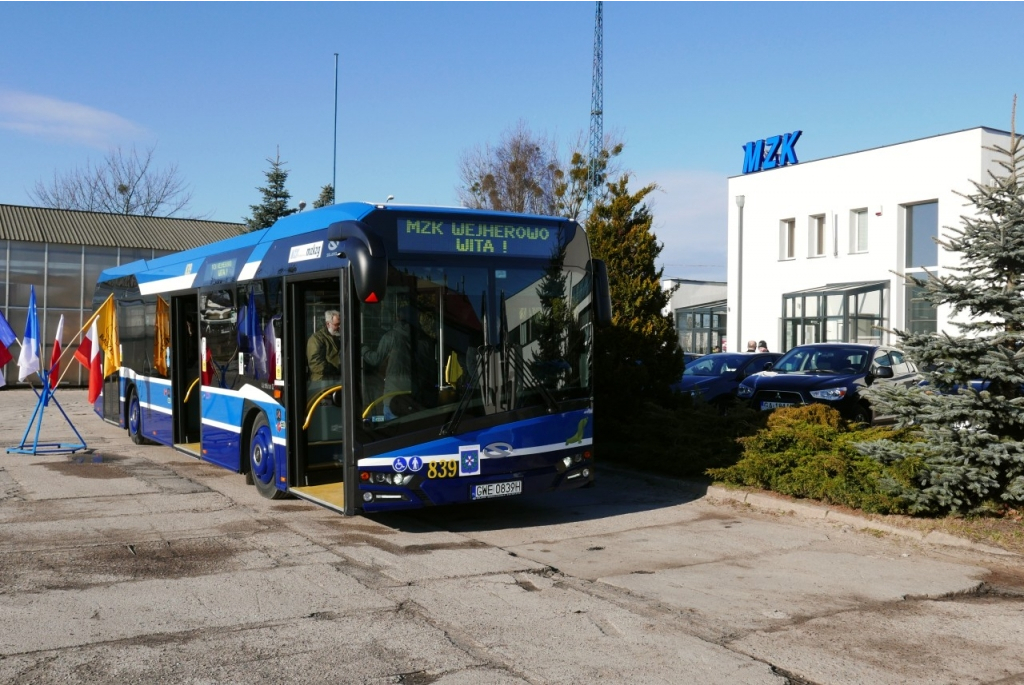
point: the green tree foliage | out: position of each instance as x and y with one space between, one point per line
275 197
811 452
326 197
574 189
638 355
972 454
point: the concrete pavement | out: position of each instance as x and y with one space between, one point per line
138 563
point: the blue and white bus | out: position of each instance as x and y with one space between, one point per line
464 363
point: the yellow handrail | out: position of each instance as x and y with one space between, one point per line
316 403
190 389
371 405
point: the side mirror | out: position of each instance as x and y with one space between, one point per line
602 294
768 366
882 372
365 252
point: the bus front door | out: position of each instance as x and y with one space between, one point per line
184 358
316 332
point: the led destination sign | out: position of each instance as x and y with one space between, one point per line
476 237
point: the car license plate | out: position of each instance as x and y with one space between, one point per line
765 406
512 487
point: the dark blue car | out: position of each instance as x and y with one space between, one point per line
832 374
715 377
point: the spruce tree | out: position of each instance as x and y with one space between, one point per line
638 355
970 415
326 197
275 197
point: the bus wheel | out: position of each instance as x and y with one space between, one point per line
135 419
261 459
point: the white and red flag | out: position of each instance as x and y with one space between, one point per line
88 355
55 357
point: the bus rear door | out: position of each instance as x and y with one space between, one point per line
185 372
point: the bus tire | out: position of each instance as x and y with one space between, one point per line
134 418
261 459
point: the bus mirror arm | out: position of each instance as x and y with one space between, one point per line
366 254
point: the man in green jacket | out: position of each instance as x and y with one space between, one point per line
323 351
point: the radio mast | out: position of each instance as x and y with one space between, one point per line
596 104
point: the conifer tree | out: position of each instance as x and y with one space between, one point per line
275 197
639 355
326 197
970 414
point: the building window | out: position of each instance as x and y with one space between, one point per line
922 316
816 236
842 312
922 231
859 230
701 329
787 239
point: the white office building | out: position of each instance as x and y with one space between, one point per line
817 249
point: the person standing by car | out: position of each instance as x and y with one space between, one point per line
762 346
751 346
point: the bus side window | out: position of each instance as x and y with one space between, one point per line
218 323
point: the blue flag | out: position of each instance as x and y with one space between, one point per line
28 360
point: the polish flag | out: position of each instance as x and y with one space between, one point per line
55 357
88 355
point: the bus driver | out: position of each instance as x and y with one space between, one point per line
323 351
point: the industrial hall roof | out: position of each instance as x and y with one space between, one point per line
73 227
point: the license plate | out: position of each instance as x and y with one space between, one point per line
512 487
774 405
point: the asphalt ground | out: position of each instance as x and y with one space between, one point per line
127 564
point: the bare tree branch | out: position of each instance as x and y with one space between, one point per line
122 183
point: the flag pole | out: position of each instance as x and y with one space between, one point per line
77 335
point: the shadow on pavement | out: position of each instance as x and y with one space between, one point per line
617 491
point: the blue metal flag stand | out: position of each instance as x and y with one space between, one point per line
37 447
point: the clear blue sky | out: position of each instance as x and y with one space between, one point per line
218 88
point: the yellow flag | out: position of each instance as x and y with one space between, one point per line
110 343
162 335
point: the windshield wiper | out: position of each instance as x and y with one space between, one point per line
513 353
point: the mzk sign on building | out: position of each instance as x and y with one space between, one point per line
769 153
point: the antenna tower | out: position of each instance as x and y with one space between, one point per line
596 103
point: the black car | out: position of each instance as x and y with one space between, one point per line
715 377
829 373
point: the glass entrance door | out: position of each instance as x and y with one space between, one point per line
317 395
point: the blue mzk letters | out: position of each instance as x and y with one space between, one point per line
788 153
769 153
752 154
771 156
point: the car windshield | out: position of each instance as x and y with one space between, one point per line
714 365
831 359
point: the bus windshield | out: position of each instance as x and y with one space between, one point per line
472 340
